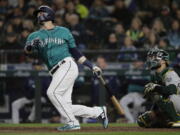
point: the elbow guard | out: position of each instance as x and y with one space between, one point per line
80 57
76 54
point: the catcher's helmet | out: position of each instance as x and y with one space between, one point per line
154 56
48 14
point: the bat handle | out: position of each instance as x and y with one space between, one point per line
104 83
102 80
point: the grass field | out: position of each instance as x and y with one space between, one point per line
87 129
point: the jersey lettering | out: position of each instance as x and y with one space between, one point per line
57 41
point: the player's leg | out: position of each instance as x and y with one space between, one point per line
125 101
138 101
167 106
81 110
168 109
176 99
87 112
99 113
31 116
62 80
16 106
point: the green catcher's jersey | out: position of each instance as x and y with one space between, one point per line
166 77
54 44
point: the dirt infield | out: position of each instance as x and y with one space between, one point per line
84 129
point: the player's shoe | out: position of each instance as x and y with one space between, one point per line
175 124
69 127
103 117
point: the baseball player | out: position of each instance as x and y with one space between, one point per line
19 103
163 91
136 99
56 46
28 98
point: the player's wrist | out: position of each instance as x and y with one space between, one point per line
88 64
83 60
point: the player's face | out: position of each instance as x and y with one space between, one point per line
153 61
152 57
40 14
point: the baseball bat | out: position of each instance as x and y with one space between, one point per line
114 100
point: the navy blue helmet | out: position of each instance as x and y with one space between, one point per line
47 15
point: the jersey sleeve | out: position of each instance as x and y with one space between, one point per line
71 41
172 78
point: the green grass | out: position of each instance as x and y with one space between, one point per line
83 133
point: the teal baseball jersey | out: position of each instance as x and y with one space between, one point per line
54 44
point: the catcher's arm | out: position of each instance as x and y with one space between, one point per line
164 90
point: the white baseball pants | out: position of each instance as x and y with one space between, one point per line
137 100
60 91
17 105
176 101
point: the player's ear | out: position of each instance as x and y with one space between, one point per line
163 62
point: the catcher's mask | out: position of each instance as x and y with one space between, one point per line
154 56
47 14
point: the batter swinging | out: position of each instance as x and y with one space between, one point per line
56 46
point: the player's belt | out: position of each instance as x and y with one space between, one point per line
56 67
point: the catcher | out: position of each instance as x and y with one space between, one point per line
162 91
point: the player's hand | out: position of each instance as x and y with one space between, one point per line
149 88
28 48
97 71
36 42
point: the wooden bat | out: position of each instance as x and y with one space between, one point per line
114 100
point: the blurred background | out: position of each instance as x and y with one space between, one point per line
114 34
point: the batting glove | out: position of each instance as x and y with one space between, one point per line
36 42
97 71
28 48
149 88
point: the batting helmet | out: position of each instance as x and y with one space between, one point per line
48 13
154 56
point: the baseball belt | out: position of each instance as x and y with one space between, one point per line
56 67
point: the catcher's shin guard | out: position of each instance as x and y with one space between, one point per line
166 106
